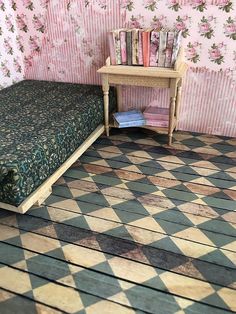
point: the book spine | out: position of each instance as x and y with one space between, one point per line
129 47
131 118
126 113
159 117
132 123
123 47
116 35
176 47
111 48
154 46
162 48
140 48
161 124
135 47
169 49
146 49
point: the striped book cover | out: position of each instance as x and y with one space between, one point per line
140 47
111 48
135 46
176 48
156 113
146 47
116 35
157 123
169 48
123 47
162 48
129 46
154 47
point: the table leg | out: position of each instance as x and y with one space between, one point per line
177 109
105 88
119 98
171 119
173 94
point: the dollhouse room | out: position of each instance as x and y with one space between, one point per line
117 156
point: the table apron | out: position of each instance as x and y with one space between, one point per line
139 81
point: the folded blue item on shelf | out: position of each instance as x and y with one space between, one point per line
129 118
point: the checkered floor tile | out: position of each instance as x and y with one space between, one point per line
134 226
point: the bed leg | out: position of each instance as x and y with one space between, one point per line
43 197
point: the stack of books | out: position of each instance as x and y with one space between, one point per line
130 118
144 47
157 117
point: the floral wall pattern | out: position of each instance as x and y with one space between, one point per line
11 61
209 31
209 41
65 40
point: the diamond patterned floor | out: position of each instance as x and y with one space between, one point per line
133 227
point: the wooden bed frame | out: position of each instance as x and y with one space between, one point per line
45 189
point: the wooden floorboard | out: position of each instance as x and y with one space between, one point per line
133 227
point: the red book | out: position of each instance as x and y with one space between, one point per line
146 47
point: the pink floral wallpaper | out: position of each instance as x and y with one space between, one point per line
209 31
209 39
11 60
65 40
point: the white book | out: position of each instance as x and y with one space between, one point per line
176 48
116 36
135 46
169 48
162 48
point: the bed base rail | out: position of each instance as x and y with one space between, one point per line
45 189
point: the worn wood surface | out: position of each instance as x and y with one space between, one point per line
134 226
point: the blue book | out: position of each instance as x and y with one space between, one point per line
131 124
129 118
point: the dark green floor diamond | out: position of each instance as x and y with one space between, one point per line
170 227
52 268
180 195
219 258
219 239
151 301
10 254
220 203
140 187
219 226
127 217
120 232
174 216
62 191
111 181
86 207
18 305
96 198
79 222
104 267
166 244
132 206
89 281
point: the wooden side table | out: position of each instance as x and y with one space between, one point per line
149 77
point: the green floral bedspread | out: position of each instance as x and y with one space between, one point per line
41 125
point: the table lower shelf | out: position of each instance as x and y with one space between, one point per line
160 130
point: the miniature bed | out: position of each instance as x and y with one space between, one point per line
44 128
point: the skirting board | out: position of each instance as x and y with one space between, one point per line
45 189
